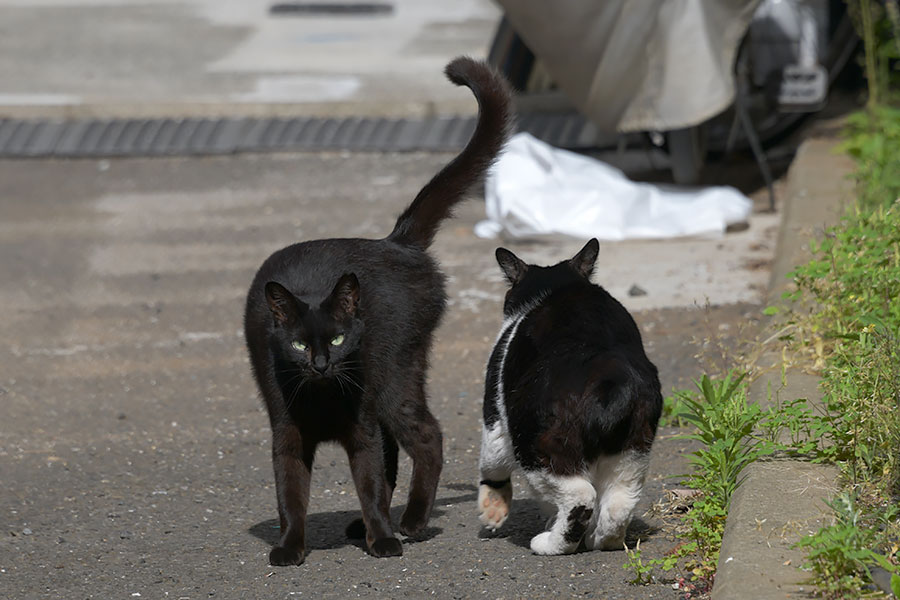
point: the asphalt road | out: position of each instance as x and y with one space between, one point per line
134 452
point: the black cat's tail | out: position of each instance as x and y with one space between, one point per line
434 203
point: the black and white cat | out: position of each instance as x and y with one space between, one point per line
339 332
571 399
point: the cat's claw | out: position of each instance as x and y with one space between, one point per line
282 557
494 505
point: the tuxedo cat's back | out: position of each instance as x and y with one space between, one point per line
577 353
600 321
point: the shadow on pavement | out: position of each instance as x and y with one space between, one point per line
325 530
527 520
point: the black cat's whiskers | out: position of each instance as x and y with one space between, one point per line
345 372
296 391
289 370
297 373
342 378
337 379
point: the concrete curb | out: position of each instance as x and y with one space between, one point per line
781 500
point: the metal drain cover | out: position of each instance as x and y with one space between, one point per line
365 9
197 136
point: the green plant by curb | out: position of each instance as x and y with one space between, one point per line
846 312
840 554
725 425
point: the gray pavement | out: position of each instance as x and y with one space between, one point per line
130 58
134 451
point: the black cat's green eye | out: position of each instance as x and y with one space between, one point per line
299 346
338 340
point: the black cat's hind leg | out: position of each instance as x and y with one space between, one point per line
292 461
574 497
357 528
420 436
496 464
365 451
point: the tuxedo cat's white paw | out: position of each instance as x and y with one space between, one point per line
494 505
550 543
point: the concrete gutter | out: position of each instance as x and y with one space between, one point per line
130 109
781 500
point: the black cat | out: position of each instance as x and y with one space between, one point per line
572 399
339 333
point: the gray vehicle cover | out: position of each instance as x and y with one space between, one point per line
637 65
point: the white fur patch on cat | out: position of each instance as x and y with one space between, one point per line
567 493
621 479
497 460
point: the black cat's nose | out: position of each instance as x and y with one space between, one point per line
320 364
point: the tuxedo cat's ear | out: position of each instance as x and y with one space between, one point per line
344 298
583 262
513 267
284 305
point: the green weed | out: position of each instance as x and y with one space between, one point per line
847 313
643 573
842 554
872 138
878 24
846 318
852 292
673 411
724 423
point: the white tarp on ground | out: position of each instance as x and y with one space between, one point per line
535 188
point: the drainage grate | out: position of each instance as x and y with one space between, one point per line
181 137
340 9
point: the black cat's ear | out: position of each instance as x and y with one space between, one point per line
284 305
583 262
513 267
344 298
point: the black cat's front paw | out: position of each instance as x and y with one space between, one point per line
389 546
282 557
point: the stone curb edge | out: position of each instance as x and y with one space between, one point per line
782 499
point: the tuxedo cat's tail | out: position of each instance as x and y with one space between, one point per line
611 392
434 203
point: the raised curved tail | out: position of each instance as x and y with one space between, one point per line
434 203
